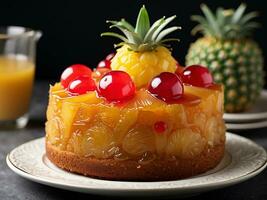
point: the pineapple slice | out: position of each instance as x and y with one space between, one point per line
185 143
161 141
143 99
96 141
110 116
127 120
56 94
212 98
54 128
67 114
214 129
139 140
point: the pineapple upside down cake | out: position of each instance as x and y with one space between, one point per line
138 115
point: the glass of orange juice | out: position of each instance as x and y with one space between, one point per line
17 66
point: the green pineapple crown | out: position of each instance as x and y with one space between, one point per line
143 37
225 24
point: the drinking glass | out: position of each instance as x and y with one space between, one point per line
17 67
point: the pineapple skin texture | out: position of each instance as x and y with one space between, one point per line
143 66
237 64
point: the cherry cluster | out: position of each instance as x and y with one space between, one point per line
117 86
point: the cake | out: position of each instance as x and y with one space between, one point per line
139 115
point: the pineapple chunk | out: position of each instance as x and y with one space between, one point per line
139 140
185 143
214 130
110 116
68 113
54 129
161 141
98 141
127 120
212 98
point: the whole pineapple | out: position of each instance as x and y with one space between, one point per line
143 53
229 52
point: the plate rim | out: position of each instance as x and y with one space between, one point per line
60 185
246 117
246 126
95 190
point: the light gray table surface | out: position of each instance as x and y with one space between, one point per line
14 187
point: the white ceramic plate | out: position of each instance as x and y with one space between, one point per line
257 113
243 160
246 126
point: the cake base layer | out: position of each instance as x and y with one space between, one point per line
156 170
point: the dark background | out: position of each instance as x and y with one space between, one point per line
71 29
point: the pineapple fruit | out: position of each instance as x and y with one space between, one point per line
89 126
232 56
143 53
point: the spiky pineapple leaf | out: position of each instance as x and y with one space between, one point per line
220 16
211 19
162 26
199 19
122 23
132 36
169 40
143 37
152 29
127 25
167 32
238 13
115 35
225 24
142 23
248 17
202 27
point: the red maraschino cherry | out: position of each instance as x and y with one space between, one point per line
107 62
81 85
116 86
166 86
179 70
73 72
197 75
160 127
99 73
110 56
104 64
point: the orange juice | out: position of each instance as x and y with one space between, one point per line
16 82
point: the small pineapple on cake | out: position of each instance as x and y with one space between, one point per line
143 52
154 121
230 53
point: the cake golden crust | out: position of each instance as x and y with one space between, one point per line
157 170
